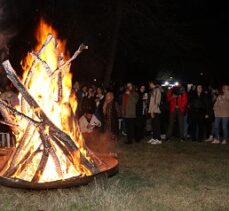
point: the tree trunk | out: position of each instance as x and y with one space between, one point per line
114 45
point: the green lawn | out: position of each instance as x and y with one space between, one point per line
171 176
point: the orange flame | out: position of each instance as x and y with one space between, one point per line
61 112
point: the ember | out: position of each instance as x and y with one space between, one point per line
49 146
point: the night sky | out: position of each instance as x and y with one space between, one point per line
154 38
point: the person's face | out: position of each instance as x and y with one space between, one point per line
129 87
84 89
77 85
199 89
142 89
88 116
99 91
225 89
109 96
151 85
90 91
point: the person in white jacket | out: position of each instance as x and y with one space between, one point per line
88 122
154 111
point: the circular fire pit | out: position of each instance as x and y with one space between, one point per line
109 167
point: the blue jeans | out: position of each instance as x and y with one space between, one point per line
224 121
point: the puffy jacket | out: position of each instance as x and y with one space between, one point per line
181 101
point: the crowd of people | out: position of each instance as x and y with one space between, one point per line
198 114
158 112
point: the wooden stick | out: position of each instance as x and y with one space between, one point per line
26 160
44 63
31 69
26 137
8 124
75 55
41 166
15 112
65 138
48 40
60 78
11 74
57 163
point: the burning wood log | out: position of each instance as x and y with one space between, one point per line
48 40
28 157
60 78
57 162
75 55
41 167
26 137
9 119
68 142
15 112
9 124
30 71
46 66
50 146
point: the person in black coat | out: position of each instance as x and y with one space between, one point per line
141 111
197 113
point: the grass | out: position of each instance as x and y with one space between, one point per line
171 176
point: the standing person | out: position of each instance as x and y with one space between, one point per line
110 114
177 98
198 113
141 111
154 111
209 120
88 101
221 111
78 93
99 100
130 99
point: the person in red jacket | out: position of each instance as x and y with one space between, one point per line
177 98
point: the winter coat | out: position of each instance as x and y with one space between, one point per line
155 101
221 106
180 101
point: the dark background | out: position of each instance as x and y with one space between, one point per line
187 40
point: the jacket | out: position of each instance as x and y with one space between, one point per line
129 105
155 101
221 106
180 101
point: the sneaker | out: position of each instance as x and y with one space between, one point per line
224 142
210 139
156 141
163 136
124 134
215 141
150 141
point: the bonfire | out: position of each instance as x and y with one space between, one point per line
50 150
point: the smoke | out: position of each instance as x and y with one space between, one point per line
103 143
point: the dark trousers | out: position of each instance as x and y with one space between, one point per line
197 126
140 127
156 127
177 114
208 124
130 129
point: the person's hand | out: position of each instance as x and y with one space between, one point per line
127 92
90 126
